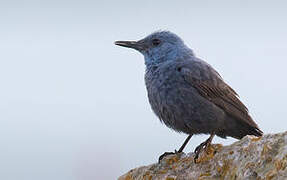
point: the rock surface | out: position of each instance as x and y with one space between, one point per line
249 158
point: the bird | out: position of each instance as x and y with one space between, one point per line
187 94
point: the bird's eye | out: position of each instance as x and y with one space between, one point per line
155 42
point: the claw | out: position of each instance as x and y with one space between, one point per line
166 154
202 146
198 149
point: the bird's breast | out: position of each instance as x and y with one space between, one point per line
171 99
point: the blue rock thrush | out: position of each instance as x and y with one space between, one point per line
187 94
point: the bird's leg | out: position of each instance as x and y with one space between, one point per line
176 152
184 144
203 145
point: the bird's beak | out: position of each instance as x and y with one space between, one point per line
138 45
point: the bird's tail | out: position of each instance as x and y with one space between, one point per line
238 129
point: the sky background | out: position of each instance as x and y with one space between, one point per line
73 106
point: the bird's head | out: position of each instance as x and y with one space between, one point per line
159 47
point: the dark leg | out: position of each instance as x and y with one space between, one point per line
179 151
184 144
203 145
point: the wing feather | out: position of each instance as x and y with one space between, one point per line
219 93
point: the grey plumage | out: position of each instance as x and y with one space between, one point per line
186 93
189 96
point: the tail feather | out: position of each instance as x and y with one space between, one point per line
238 129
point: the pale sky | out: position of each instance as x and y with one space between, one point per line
73 106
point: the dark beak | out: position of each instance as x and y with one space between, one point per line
131 44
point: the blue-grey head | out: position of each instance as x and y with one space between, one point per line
159 47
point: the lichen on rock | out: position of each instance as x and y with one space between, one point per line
249 158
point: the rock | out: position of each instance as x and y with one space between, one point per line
249 158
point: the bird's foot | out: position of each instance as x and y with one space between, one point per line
199 149
167 154
203 146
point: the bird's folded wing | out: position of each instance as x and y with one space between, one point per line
219 93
